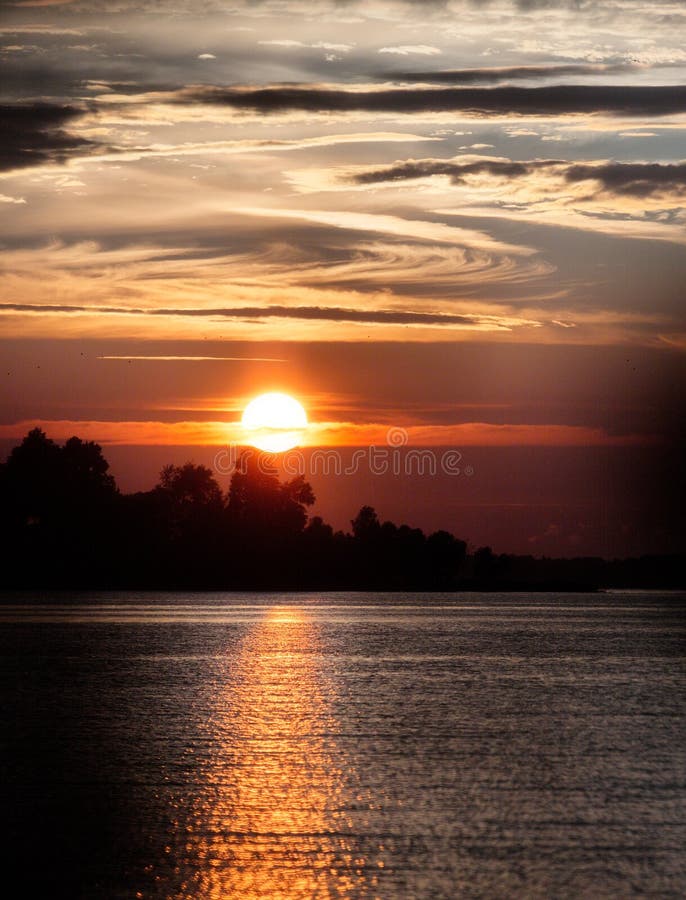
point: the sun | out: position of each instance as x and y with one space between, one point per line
274 422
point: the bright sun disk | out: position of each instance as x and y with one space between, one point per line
274 422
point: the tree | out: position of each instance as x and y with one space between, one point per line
87 479
190 486
57 509
483 561
260 503
366 524
445 550
43 482
190 503
32 479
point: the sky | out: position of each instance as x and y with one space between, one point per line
461 219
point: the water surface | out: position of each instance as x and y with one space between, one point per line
345 745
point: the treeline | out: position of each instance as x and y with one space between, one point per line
65 524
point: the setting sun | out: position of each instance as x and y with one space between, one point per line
274 422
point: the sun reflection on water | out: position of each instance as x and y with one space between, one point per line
272 817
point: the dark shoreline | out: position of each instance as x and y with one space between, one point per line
65 524
465 586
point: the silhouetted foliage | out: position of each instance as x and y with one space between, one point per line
58 504
64 523
190 487
258 501
366 525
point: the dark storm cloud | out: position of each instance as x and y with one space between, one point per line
494 75
553 100
633 179
35 133
332 314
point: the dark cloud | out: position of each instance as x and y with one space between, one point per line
552 100
35 133
493 75
332 314
633 179
456 171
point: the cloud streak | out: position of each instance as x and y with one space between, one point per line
328 314
551 100
499 74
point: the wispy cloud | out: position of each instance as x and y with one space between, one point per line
412 50
318 45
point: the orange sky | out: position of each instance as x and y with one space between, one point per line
465 220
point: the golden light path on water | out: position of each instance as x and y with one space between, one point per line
272 819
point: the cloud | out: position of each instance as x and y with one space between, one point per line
396 226
498 74
456 169
319 45
409 49
630 179
306 259
642 201
633 179
39 29
249 146
328 314
551 100
34 134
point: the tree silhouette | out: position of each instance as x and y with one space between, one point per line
190 486
31 479
57 506
86 469
64 523
259 501
366 525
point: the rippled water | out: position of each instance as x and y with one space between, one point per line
345 745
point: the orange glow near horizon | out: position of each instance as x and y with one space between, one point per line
326 434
